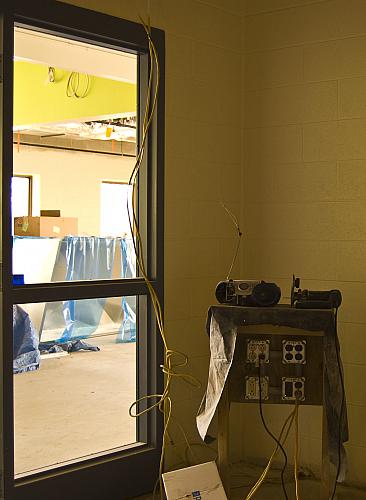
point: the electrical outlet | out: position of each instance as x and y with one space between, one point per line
256 348
293 388
252 388
294 352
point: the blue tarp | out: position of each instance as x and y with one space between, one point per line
78 258
90 258
26 355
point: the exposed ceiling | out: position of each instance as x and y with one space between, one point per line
119 129
34 46
42 107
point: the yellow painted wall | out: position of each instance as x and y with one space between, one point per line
304 191
52 104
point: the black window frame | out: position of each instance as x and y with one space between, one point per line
135 470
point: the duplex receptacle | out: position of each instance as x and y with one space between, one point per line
293 388
294 352
257 349
252 388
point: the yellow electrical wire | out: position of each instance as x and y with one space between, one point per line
290 420
172 359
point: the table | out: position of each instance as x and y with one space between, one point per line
234 331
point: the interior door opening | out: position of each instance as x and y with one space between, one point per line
74 143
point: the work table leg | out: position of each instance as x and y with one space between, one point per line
223 410
326 479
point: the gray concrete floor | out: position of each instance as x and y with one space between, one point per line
75 406
244 477
310 490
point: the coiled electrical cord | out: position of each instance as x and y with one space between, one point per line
73 86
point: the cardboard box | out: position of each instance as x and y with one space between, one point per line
50 213
197 483
54 227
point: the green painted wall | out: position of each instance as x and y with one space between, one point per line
36 101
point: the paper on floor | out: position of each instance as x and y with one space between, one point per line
196 482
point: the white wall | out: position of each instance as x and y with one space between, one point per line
70 180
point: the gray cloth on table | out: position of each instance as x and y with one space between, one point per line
222 325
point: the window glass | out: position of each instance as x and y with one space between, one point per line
20 196
74 369
114 199
75 118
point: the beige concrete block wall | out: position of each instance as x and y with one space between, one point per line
304 163
203 165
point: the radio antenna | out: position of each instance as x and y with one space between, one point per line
240 234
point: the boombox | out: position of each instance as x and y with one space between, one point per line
248 293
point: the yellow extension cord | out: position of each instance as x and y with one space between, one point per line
163 401
169 367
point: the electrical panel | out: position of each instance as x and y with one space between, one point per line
293 388
294 351
252 388
258 350
291 366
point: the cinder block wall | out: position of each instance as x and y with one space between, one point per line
304 189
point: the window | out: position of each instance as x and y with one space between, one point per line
21 195
114 199
108 307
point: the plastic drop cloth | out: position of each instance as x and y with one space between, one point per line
90 258
26 356
222 326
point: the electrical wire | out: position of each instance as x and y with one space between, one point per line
240 234
341 412
270 433
172 359
148 118
289 421
73 84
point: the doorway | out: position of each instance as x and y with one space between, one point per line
84 344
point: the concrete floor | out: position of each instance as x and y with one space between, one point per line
309 491
75 406
244 477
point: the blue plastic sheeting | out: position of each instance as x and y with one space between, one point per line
127 332
26 355
88 258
